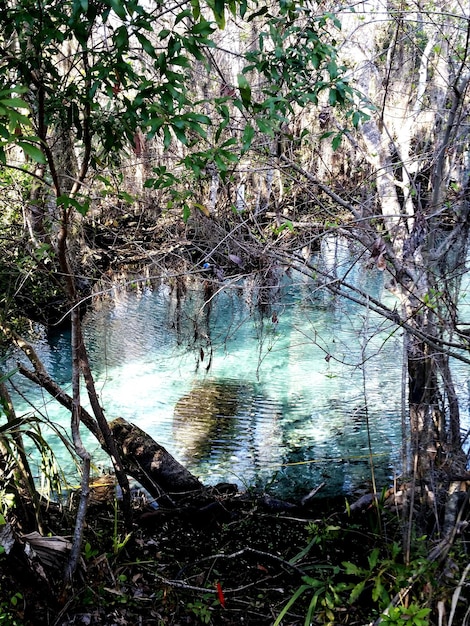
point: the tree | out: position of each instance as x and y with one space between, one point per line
410 209
422 187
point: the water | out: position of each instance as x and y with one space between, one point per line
287 402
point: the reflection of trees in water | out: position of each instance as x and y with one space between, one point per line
330 446
208 416
221 418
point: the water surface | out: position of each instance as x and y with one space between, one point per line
290 399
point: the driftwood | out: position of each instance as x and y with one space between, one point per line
150 463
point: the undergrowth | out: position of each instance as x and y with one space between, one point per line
239 564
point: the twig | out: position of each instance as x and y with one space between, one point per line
181 584
456 594
243 551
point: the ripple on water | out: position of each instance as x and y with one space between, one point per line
284 403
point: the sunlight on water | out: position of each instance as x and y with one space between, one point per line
284 401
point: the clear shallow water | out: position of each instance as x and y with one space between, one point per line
283 404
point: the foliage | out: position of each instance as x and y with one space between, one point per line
28 288
93 79
412 615
15 125
27 429
297 60
10 614
108 71
202 609
80 81
334 588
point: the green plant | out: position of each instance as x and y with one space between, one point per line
327 596
413 615
335 588
386 574
201 609
118 542
22 441
10 611
89 552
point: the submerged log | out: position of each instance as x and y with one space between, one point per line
150 463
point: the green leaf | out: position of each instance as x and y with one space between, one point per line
373 558
126 196
351 568
121 37
264 126
33 152
231 157
203 27
218 10
292 600
248 135
196 117
166 137
332 97
311 609
186 212
287 224
146 44
356 118
119 8
18 103
13 425
66 201
182 15
220 163
18 90
332 69
196 7
337 139
17 118
245 90
356 592
379 592
180 134
180 60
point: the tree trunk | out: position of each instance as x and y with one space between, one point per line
423 395
150 463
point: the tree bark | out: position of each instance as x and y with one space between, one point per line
150 463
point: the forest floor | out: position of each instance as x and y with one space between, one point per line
238 562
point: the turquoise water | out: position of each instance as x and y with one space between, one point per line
287 401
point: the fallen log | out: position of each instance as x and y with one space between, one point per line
150 463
